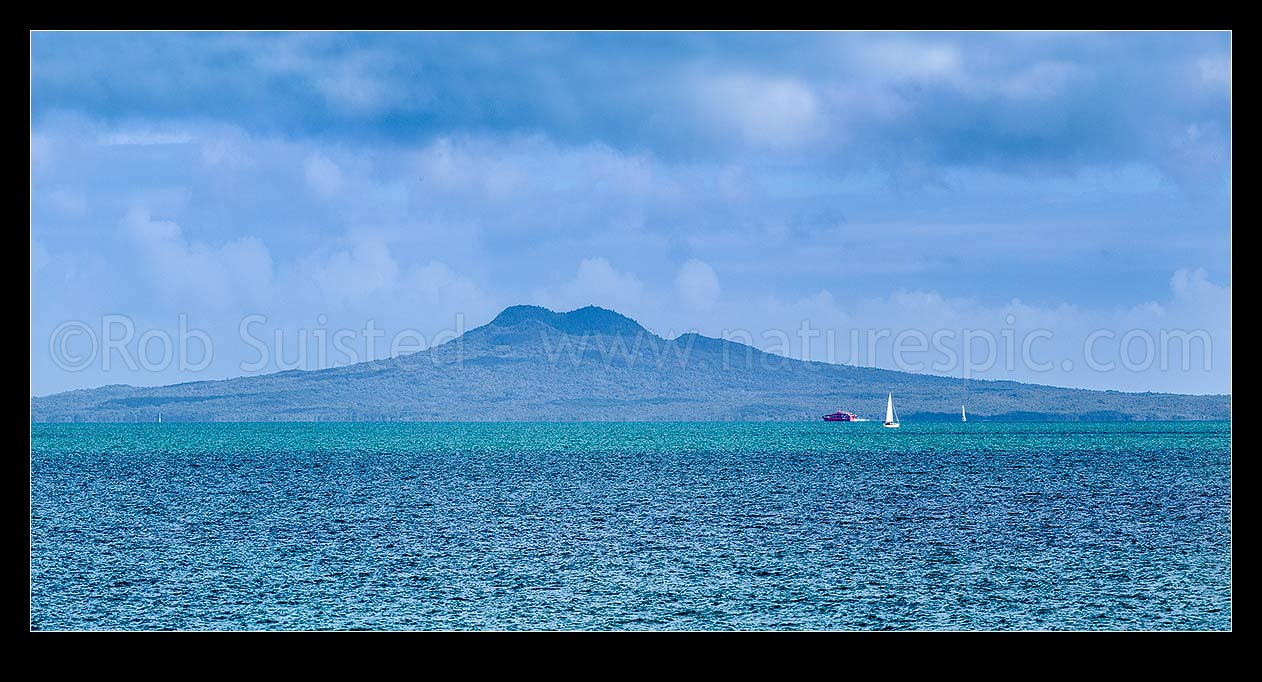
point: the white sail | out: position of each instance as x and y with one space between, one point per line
963 414
891 417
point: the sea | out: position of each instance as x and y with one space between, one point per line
631 526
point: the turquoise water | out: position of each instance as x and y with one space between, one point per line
631 526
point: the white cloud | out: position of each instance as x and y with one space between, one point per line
368 276
597 276
1199 150
144 138
531 185
1215 72
597 282
436 282
683 171
1194 285
323 175
902 59
237 272
41 151
1042 80
465 167
885 64
772 112
1196 298
862 331
1195 304
367 267
354 91
628 174
224 149
360 283
697 284
357 82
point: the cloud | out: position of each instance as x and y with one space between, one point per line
697 284
191 273
1195 297
1039 102
365 268
1042 80
597 277
354 91
436 282
1198 150
1194 285
41 151
860 178
863 330
908 59
323 175
597 282
497 172
355 82
772 112
1215 72
224 148
1194 305
144 138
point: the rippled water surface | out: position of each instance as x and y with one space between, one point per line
631 526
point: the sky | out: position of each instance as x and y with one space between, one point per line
209 205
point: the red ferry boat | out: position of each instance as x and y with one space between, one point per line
840 416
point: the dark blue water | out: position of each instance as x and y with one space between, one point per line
631 526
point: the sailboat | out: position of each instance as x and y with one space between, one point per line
964 400
891 419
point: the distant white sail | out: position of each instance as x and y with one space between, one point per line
891 419
963 414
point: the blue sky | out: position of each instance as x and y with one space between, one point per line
710 182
